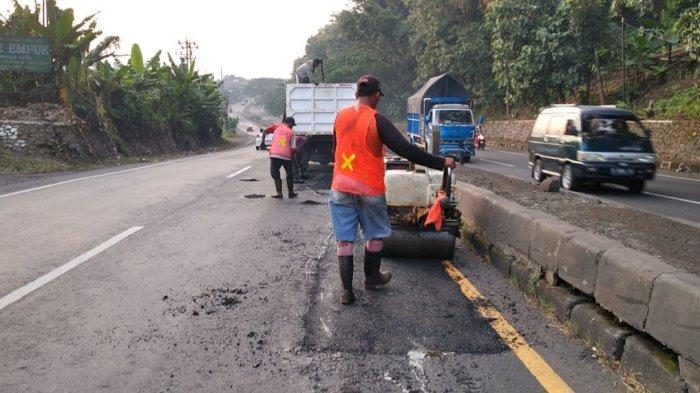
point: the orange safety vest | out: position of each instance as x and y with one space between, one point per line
282 142
358 169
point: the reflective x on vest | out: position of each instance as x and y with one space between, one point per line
347 162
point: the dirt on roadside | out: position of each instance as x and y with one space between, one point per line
675 243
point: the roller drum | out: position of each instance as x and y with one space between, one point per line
419 244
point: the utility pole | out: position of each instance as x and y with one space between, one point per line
187 48
225 110
622 20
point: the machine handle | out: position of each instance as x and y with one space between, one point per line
447 182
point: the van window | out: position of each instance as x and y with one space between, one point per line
540 125
556 126
615 133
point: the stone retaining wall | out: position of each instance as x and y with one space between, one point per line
56 138
647 294
674 141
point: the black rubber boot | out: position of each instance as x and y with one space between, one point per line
278 186
290 188
375 279
345 266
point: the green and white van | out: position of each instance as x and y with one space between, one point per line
591 144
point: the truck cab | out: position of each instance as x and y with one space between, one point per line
455 123
442 108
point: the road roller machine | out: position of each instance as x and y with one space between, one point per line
416 196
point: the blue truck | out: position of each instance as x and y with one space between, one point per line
442 106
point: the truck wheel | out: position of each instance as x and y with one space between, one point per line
636 186
537 171
568 179
466 159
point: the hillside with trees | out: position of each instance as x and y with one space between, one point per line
518 55
128 106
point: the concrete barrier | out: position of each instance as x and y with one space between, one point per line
637 288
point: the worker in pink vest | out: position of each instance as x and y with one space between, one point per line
281 153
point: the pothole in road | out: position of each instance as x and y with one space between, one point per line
206 303
249 179
309 202
254 196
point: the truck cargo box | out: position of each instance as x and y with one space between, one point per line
314 108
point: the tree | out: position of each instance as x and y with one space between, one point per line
453 38
370 38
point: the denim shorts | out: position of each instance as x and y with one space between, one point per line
349 210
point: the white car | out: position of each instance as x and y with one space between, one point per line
258 140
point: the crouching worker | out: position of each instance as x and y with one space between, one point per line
357 191
281 154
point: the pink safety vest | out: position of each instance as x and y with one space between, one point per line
282 142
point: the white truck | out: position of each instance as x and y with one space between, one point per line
314 108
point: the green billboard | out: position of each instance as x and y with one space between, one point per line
29 54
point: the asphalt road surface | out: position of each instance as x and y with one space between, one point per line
674 196
182 276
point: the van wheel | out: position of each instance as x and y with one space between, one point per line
568 180
636 186
537 171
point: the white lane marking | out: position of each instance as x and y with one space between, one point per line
231 176
415 360
678 177
52 275
95 176
670 197
496 162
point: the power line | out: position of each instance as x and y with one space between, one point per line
187 48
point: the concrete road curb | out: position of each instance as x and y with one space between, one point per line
639 289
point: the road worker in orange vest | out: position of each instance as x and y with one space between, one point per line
281 152
357 192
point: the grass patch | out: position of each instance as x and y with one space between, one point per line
229 135
682 102
11 163
547 306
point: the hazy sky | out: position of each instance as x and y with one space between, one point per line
248 38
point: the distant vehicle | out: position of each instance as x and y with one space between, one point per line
443 104
595 144
258 140
480 141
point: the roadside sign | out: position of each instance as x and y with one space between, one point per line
30 54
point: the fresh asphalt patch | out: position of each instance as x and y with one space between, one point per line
419 309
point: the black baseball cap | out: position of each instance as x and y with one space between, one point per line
289 121
369 84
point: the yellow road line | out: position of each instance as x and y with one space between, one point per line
544 374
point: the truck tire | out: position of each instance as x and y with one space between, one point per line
304 159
